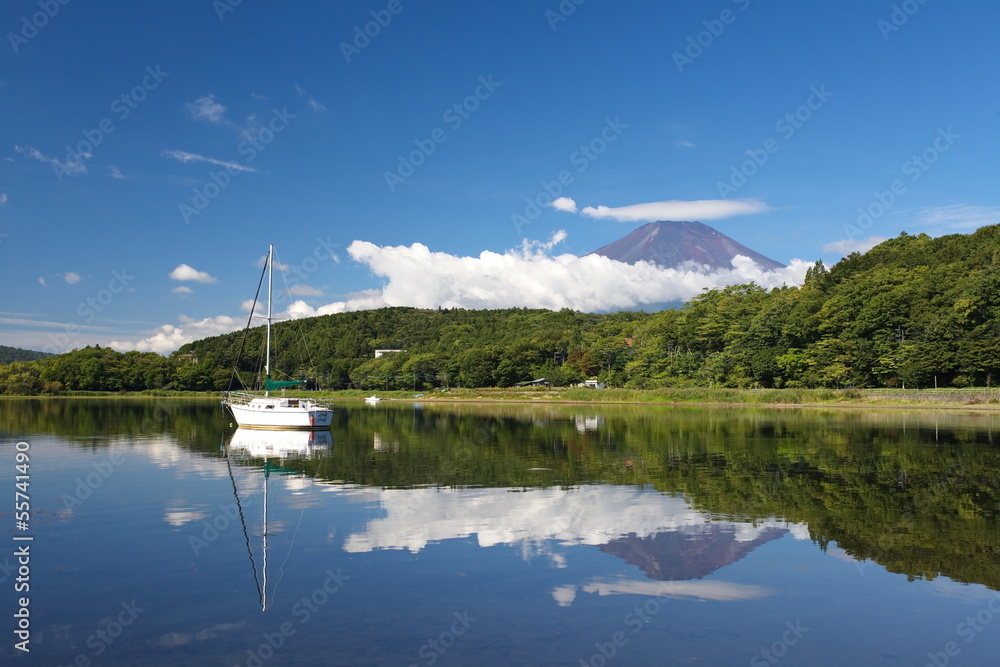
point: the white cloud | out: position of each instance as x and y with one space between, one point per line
847 246
957 218
170 337
185 157
183 272
71 277
262 262
301 92
707 209
565 204
41 281
3 197
71 168
207 109
416 276
182 289
304 290
116 173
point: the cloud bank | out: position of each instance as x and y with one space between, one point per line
530 277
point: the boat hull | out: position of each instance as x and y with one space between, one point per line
280 414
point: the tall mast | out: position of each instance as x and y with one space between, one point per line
267 359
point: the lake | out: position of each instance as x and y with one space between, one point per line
467 534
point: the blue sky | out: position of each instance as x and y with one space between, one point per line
407 153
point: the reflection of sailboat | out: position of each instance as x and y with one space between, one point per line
268 445
275 413
280 444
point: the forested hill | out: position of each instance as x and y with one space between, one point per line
471 348
11 354
910 311
913 310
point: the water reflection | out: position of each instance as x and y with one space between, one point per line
661 534
274 447
278 444
549 524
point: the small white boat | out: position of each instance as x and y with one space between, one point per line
251 411
373 399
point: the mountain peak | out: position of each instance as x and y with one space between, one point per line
671 243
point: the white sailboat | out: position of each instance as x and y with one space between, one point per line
251 411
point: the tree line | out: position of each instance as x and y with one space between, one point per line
914 311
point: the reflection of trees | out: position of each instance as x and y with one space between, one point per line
198 424
918 496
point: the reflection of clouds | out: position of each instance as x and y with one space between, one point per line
564 595
720 591
592 515
164 452
183 515
173 639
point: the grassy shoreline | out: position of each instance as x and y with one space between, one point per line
966 399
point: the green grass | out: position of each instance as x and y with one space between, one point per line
683 395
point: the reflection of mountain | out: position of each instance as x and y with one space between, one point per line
662 534
690 552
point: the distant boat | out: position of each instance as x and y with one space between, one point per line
373 399
252 411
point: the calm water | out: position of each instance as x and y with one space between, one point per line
503 535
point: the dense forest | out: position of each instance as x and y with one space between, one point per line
11 354
914 311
